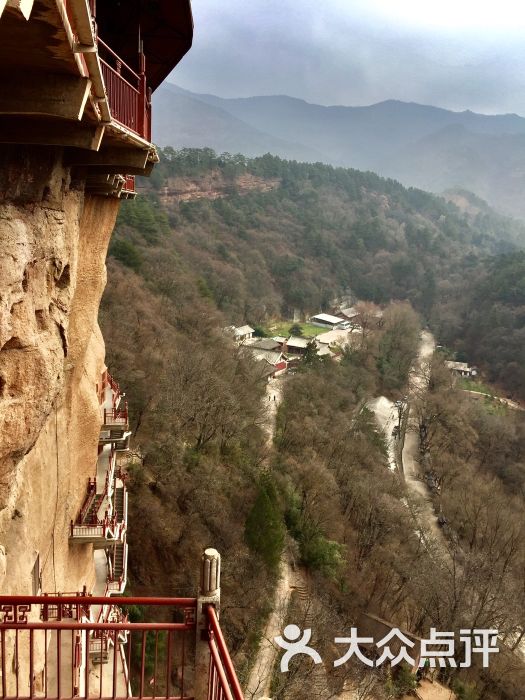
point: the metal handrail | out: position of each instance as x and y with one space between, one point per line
62 645
221 660
116 416
117 58
129 184
162 601
119 75
88 501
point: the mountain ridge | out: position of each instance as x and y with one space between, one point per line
390 101
420 145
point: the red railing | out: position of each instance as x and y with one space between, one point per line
108 381
51 658
70 609
108 528
126 90
128 96
64 656
223 683
94 498
99 643
115 386
88 501
129 184
114 416
114 583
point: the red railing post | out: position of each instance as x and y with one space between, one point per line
148 116
143 97
209 595
229 683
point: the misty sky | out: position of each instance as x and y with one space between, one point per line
459 54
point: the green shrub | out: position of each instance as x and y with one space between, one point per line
465 691
126 253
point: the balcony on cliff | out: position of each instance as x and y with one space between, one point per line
80 74
114 430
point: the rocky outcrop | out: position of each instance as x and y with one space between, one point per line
212 185
53 243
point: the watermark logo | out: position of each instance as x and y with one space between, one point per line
439 649
295 644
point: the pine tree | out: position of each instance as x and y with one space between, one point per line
264 529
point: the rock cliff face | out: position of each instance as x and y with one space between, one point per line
212 185
53 243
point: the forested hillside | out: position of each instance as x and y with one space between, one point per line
262 237
215 240
484 319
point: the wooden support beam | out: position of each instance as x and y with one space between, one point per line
49 132
44 94
124 159
114 169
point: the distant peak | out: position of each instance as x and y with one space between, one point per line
391 102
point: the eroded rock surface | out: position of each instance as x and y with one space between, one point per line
53 244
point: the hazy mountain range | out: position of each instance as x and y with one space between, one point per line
419 145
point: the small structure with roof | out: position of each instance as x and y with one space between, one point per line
323 351
266 344
242 334
340 338
274 362
296 345
462 369
326 321
350 313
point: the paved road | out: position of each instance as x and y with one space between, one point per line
417 490
387 417
507 402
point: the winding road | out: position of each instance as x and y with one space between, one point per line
417 490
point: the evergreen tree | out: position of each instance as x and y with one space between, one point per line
264 529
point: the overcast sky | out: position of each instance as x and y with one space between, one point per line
459 54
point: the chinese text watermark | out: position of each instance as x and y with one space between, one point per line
439 649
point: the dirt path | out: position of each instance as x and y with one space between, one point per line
274 396
418 497
258 685
428 690
290 579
